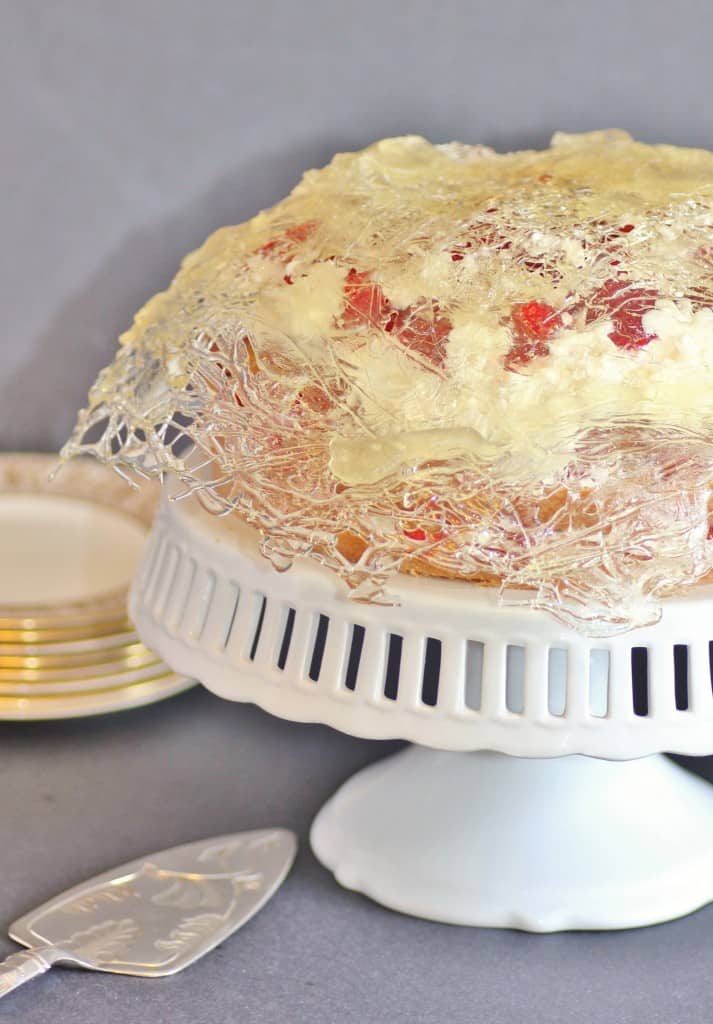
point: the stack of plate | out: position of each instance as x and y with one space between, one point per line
68 549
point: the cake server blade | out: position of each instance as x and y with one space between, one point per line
155 915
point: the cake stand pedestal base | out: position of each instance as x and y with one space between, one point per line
537 844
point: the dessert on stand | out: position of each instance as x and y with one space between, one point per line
493 816
436 434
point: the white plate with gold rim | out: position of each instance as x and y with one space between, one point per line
69 544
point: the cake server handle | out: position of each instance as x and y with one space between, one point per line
20 967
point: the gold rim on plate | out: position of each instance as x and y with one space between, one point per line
75 677
96 645
49 688
94 702
130 654
90 631
66 623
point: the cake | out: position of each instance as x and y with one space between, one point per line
444 361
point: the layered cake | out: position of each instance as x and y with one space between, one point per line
441 360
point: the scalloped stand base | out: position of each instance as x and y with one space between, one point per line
542 845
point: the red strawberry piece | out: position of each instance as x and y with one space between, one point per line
418 535
283 246
421 535
535 320
459 249
625 304
311 399
301 232
365 300
421 330
609 232
315 398
267 249
531 325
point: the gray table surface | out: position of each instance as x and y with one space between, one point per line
128 131
79 797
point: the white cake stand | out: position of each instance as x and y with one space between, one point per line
493 827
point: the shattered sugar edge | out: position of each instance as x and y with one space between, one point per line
445 360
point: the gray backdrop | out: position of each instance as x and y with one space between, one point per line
133 129
129 131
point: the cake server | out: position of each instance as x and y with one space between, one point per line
155 915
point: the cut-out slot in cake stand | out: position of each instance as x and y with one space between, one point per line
485 822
